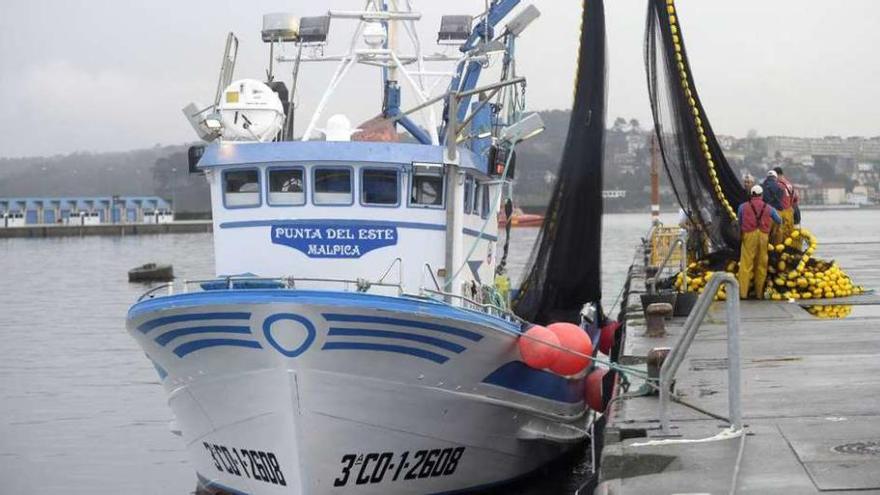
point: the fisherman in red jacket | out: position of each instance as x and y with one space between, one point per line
755 219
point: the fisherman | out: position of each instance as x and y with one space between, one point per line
748 181
755 218
773 196
790 210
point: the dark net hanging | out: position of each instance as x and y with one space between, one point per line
707 189
564 268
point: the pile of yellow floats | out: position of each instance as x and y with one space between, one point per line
793 272
829 311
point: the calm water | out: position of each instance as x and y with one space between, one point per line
81 410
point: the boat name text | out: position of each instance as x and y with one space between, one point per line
334 241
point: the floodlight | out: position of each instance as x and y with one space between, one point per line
523 19
525 128
280 27
454 29
213 122
314 30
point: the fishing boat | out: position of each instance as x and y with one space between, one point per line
354 339
520 219
151 272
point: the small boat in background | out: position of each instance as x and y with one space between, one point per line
520 219
151 272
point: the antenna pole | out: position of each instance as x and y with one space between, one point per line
291 107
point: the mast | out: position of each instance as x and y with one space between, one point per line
655 182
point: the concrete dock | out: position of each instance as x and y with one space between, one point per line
113 229
810 399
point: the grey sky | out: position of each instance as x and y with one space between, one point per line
98 75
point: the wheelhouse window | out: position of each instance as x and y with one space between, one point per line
333 186
286 187
468 194
380 187
426 188
241 188
478 194
484 210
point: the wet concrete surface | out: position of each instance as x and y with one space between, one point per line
810 400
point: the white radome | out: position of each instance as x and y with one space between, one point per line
250 111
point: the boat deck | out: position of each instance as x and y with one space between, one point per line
810 399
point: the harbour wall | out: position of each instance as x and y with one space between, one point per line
181 227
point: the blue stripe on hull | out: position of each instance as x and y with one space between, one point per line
167 320
398 349
170 335
196 345
339 317
388 334
517 376
338 300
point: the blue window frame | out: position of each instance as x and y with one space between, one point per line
484 210
478 193
332 186
286 186
380 187
468 194
241 188
427 187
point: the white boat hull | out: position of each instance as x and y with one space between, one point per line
289 392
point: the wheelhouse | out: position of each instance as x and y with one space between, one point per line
329 211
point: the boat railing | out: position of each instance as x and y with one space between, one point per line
471 304
229 283
359 285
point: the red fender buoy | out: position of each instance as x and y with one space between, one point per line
573 338
534 350
608 336
594 390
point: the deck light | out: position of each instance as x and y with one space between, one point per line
525 128
213 122
314 30
454 29
280 27
522 20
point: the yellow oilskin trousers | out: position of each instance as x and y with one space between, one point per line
752 263
777 235
787 222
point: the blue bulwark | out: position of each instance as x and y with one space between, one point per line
517 376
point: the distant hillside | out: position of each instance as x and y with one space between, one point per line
162 171
145 172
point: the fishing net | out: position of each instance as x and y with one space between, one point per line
707 189
564 268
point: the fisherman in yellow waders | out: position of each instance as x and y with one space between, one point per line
789 202
755 219
773 195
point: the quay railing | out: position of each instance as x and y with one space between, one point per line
681 242
676 356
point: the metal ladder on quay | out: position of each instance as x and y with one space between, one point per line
676 357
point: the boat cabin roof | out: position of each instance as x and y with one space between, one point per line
363 152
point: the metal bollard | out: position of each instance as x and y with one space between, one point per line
656 315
